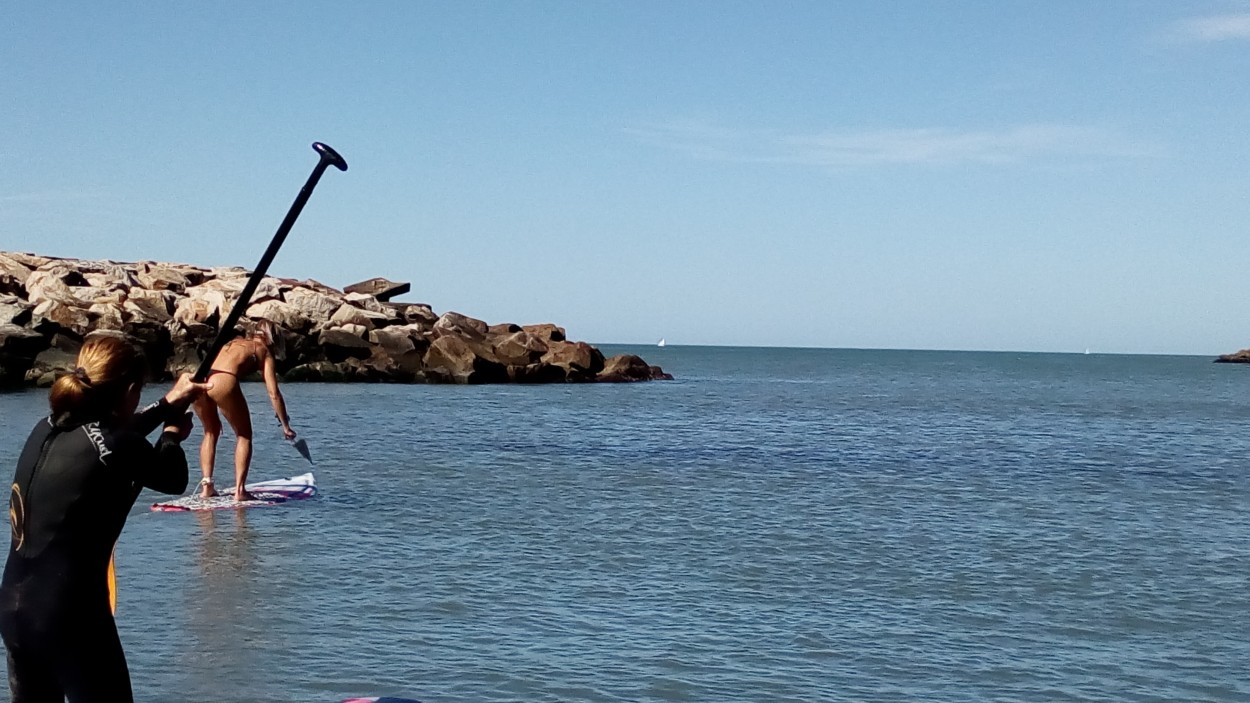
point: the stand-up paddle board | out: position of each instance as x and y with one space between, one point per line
266 492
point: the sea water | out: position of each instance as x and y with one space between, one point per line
775 525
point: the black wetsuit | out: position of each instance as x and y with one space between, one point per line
74 486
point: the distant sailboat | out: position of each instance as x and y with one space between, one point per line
1086 350
660 343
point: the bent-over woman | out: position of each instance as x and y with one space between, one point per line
240 357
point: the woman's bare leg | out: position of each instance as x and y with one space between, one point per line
206 411
234 406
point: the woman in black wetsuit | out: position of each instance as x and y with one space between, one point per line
77 477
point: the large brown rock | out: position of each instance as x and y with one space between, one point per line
14 310
150 305
580 360
520 349
537 373
18 348
21 342
379 288
369 319
108 275
456 360
629 367
402 367
53 283
106 317
455 324
63 317
153 276
284 315
50 364
546 332
13 275
399 339
312 303
416 313
343 342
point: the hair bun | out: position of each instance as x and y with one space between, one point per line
81 374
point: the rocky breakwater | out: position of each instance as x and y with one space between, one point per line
48 305
1237 357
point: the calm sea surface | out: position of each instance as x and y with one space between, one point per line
776 525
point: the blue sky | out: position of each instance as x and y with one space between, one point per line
941 175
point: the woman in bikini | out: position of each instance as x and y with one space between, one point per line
241 356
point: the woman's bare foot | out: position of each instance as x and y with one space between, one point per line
207 490
241 495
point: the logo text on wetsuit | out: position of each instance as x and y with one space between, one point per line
97 438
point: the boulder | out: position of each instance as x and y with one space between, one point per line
62 317
153 276
201 305
21 342
33 262
520 348
49 365
629 367
18 348
314 304
403 367
108 275
455 359
537 373
13 275
378 288
227 273
317 371
399 339
340 343
14 311
367 302
185 359
106 317
269 288
415 313
154 305
284 315
546 332
455 324
502 329
580 360
350 314
53 283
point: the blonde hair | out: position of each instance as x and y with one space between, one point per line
106 367
271 336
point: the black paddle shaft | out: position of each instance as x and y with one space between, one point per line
329 157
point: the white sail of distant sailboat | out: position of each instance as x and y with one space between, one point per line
660 343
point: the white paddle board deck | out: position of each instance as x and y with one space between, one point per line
266 492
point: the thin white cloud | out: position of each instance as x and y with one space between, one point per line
857 148
1215 28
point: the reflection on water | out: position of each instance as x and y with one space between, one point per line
221 600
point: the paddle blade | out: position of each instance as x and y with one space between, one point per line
112 577
302 447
